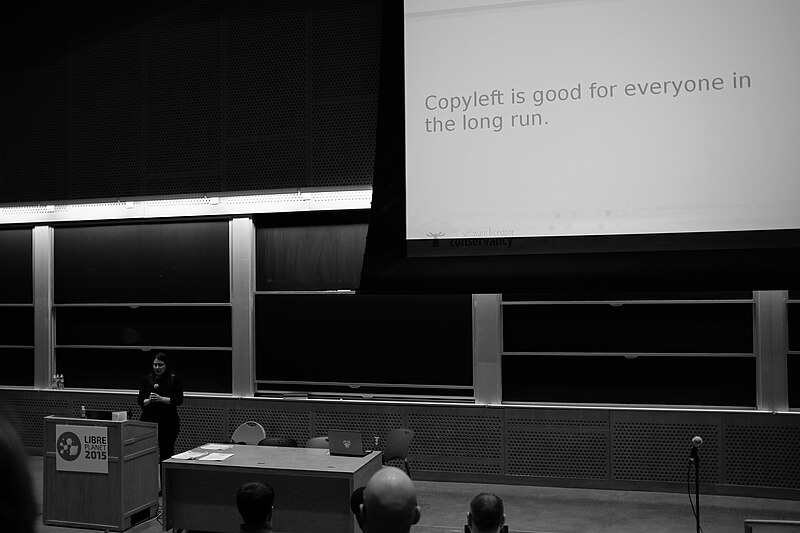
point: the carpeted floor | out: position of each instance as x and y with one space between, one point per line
561 510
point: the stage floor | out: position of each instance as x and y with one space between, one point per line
557 510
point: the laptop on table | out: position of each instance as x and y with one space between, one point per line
346 443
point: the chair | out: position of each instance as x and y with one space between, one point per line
397 443
248 433
318 442
284 442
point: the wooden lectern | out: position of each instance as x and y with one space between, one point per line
78 493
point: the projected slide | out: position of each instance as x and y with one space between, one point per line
600 117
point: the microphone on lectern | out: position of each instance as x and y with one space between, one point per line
696 442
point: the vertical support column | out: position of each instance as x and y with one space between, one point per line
486 348
44 363
771 344
242 239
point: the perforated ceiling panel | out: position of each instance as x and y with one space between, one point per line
456 443
266 83
183 99
277 423
343 143
267 93
345 43
197 96
107 116
651 451
546 444
763 455
279 163
35 161
189 183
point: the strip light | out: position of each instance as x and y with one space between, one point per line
245 204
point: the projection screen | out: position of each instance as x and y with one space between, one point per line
582 118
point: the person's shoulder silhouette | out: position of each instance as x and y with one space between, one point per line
18 507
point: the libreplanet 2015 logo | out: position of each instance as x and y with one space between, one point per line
68 446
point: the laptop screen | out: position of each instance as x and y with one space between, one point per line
345 443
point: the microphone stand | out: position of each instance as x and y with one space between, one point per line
695 458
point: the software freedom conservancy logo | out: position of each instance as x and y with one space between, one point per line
68 446
484 239
435 237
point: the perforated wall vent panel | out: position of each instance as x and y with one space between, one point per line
199 425
27 416
660 451
451 465
106 404
765 456
749 454
556 444
277 423
462 443
564 424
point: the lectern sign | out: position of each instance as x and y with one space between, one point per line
82 448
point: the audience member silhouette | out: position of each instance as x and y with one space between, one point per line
486 514
18 507
390 502
254 502
356 499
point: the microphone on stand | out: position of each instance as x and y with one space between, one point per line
695 458
696 443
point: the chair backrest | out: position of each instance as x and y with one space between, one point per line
397 443
285 442
318 442
248 433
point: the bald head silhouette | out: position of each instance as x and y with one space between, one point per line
486 514
390 502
